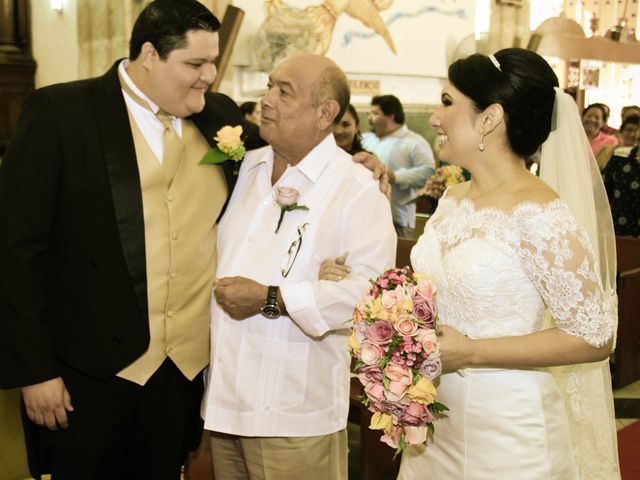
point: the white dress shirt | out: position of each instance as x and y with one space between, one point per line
289 377
145 118
410 157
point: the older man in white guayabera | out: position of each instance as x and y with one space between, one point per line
278 388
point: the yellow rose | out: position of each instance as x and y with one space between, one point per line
229 138
422 392
353 343
380 421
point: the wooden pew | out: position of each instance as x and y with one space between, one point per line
376 458
626 358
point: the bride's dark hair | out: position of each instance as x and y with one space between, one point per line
523 85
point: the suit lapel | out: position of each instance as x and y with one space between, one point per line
122 168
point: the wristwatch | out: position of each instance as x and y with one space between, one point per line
270 309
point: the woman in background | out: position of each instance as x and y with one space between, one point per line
621 176
347 132
594 117
629 136
251 112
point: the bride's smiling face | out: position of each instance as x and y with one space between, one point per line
455 125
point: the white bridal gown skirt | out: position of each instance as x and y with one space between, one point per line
502 425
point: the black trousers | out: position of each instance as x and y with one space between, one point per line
120 430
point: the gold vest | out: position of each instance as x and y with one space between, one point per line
180 241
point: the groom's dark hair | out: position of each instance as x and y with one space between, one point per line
165 24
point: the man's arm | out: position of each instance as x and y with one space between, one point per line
29 178
320 306
421 165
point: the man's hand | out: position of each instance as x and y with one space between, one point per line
48 403
380 173
334 270
240 297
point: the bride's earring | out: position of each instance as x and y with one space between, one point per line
481 144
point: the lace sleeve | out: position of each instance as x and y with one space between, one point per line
557 257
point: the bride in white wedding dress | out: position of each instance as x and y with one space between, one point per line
525 271
503 249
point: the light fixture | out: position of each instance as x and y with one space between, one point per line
56 5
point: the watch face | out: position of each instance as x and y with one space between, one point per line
271 311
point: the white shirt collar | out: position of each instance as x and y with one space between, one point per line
122 69
312 165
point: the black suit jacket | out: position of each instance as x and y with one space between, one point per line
72 248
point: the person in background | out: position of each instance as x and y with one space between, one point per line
594 117
406 154
629 135
251 112
277 395
629 110
621 176
347 132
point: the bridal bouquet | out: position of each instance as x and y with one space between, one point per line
395 346
442 178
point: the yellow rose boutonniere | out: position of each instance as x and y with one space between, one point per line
230 146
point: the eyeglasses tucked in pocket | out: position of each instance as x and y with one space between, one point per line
294 248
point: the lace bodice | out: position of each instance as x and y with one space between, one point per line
496 271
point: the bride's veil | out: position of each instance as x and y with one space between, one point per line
567 165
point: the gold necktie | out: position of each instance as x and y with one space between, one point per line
172 145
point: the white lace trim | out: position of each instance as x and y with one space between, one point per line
554 254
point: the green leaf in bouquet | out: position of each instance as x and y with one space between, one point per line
383 362
437 407
358 365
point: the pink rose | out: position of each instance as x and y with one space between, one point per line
286 196
429 340
400 379
424 310
431 368
415 435
400 293
405 326
379 405
388 299
380 332
374 390
416 414
392 438
370 373
425 289
371 353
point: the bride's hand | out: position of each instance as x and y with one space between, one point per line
455 349
334 270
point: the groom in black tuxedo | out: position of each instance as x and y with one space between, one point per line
107 253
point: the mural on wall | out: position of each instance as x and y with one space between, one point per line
407 37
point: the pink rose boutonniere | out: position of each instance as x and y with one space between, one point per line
230 146
287 200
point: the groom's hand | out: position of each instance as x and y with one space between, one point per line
47 403
240 297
